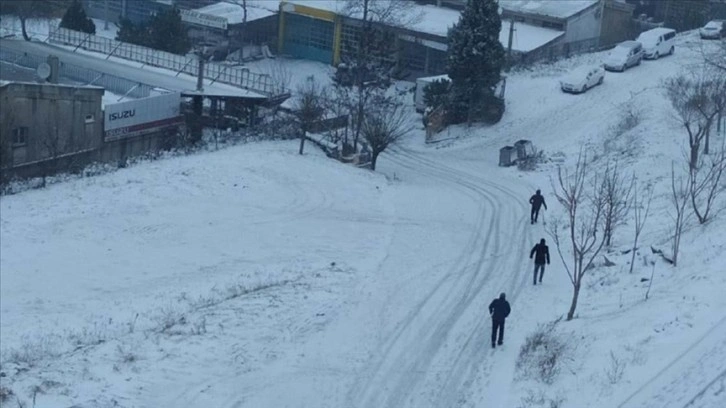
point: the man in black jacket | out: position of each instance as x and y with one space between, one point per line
537 201
499 310
541 254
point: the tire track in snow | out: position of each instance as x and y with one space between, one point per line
711 353
473 353
369 385
405 371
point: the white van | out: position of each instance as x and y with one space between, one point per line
658 42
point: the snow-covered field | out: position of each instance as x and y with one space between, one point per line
255 277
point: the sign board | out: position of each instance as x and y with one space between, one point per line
207 20
141 116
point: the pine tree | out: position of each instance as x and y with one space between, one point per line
166 32
129 32
474 63
76 19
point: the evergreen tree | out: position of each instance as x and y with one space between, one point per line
436 94
129 32
76 19
474 63
166 32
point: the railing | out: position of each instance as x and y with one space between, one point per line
237 76
115 84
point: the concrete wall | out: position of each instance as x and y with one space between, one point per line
584 26
617 23
117 152
59 120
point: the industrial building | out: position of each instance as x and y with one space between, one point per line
48 121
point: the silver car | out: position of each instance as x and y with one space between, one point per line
582 79
714 29
625 55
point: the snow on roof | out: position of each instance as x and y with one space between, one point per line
234 13
549 8
527 37
422 18
57 85
437 21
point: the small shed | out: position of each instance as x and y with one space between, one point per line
524 148
507 156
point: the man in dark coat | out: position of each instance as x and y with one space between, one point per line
537 201
499 310
541 254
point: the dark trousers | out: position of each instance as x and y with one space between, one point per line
535 214
497 325
541 272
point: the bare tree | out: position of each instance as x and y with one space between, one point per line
309 107
280 75
384 126
705 184
30 9
243 5
584 209
641 210
617 190
370 63
697 99
679 199
716 57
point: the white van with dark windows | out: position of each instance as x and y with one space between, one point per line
658 42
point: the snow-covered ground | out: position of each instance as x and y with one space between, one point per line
255 277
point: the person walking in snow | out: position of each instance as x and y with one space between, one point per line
537 201
541 253
499 310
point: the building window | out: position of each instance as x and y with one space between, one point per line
20 136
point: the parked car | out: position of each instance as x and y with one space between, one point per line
582 79
714 29
658 42
625 55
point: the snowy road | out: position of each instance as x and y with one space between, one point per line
433 355
422 338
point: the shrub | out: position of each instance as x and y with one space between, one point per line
530 163
541 354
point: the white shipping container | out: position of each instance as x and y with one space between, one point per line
136 113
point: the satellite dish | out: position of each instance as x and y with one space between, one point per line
43 71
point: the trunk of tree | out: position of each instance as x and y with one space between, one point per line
374 159
608 230
358 123
694 156
25 32
573 306
302 141
707 142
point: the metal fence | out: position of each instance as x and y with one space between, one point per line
115 84
238 76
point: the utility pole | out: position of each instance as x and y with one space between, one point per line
105 10
509 44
